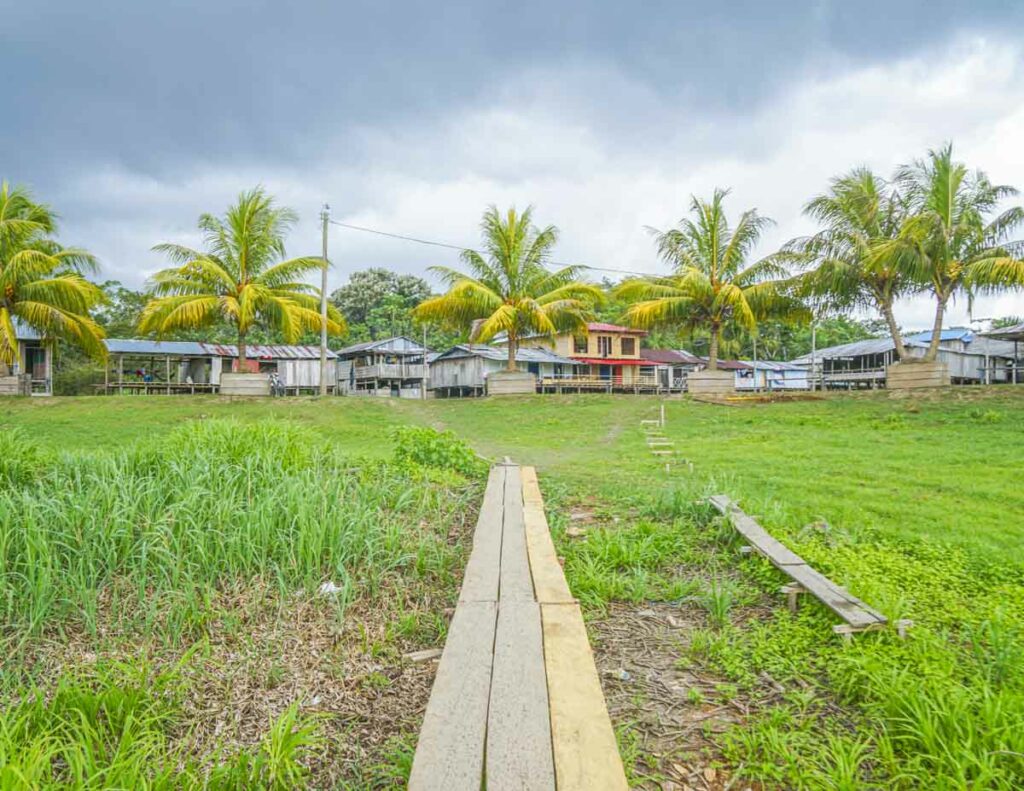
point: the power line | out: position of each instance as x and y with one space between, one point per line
417 240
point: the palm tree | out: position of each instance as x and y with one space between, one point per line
859 212
512 291
712 285
239 278
947 243
41 283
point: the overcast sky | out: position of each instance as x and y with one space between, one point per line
130 118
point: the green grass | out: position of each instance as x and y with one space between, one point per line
913 504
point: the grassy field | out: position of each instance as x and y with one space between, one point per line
914 504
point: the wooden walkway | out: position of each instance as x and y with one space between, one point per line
516 703
858 616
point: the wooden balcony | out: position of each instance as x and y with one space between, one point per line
389 371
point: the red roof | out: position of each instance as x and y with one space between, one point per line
597 326
606 361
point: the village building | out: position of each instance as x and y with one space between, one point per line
970 358
32 370
771 375
609 353
463 370
668 367
391 367
175 367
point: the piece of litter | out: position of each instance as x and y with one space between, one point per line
424 655
623 674
329 589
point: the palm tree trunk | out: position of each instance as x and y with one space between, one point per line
933 346
713 350
894 330
513 344
242 368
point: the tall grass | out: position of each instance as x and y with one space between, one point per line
149 526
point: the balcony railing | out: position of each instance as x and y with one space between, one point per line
389 371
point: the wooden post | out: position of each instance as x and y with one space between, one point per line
106 377
120 374
167 379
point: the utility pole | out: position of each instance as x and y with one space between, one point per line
423 382
325 215
814 349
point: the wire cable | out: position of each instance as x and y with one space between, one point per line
445 245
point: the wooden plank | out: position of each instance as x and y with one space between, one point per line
759 538
549 583
843 603
480 581
516 583
450 751
519 722
583 742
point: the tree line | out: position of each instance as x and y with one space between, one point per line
934 228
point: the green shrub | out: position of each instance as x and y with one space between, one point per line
439 449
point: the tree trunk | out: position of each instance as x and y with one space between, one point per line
242 367
894 330
933 347
512 347
713 350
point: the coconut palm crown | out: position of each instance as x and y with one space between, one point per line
948 243
712 285
858 213
510 289
239 278
42 284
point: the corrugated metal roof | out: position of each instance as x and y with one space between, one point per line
365 346
23 332
198 349
600 326
855 349
730 365
669 357
772 365
523 355
952 334
1015 332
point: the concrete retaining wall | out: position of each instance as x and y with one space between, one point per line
244 384
711 383
511 383
16 385
915 375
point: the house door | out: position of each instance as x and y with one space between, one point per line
605 372
533 368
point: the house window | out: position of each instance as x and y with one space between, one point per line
604 346
628 346
579 345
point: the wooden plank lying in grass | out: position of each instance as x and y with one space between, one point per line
516 583
756 535
856 613
518 722
583 742
450 752
549 583
480 582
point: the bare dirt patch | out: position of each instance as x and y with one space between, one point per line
670 709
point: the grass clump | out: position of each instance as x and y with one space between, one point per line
439 449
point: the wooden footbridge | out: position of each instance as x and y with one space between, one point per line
516 703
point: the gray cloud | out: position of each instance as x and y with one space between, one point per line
131 118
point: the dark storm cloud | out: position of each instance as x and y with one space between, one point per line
156 87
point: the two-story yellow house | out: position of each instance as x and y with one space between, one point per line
610 352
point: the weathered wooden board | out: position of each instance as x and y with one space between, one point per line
450 752
480 582
843 603
583 742
549 583
516 583
519 722
757 536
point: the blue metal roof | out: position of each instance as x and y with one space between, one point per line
23 332
952 334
